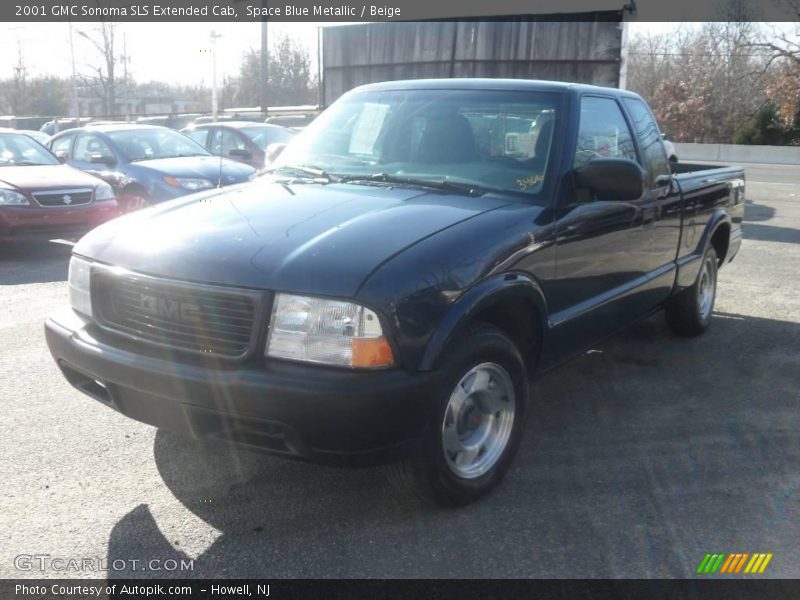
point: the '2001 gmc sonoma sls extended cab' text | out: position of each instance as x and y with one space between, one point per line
409 263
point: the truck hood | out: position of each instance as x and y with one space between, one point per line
203 167
45 177
321 239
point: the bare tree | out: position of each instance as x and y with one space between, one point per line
783 78
102 78
703 83
290 81
18 100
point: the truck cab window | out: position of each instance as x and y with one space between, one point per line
602 132
654 155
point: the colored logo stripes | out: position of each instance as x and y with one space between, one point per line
734 563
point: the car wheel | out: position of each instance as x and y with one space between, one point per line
475 422
673 159
133 199
688 313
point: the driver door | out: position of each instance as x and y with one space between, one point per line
603 246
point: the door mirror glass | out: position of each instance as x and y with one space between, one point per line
101 159
611 179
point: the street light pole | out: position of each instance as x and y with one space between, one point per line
74 91
264 87
214 101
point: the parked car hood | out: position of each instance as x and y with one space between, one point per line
204 167
45 177
322 239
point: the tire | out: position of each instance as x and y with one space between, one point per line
688 313
474 425
135 199
673 159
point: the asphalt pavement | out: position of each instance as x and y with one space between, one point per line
640 456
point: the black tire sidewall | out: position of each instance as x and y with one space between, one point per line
482 343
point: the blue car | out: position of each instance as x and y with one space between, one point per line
144 163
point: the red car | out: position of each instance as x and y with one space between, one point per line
40 198
244 141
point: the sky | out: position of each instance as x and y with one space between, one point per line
170 52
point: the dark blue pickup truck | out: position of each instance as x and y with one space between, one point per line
387 291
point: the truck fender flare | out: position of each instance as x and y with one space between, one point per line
689 265
718 218
477 298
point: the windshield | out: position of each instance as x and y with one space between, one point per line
494 140
265 135
148 144
20 150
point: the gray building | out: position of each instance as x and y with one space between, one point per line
579 47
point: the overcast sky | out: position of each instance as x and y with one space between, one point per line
171 52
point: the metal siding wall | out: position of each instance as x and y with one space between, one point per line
586 49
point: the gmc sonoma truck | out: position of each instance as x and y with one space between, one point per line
388 290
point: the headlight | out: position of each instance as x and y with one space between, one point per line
79 296
103 191
12 198
326 331
188 183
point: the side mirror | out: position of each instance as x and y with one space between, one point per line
239 152
611 179
62 156
273 151
101 159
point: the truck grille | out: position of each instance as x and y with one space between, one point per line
194 318
63 197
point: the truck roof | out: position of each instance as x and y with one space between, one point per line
490 84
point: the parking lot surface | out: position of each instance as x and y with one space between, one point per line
639 457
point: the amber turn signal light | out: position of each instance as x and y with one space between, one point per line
372 353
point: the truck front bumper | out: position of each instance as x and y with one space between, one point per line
326 415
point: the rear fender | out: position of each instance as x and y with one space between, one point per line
689 265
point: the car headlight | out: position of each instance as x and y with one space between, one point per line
103 191
188 183
12 198
325 331
79 290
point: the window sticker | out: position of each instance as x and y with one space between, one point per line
369 125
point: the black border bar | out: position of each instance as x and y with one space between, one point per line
379 10
382 589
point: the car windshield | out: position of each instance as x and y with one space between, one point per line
265 135
492 140
19 150
148 144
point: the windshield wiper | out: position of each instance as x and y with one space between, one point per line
444 185
316 172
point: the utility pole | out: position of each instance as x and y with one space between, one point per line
214 102
74 90
264 66
125 76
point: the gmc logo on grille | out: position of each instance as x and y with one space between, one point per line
172 310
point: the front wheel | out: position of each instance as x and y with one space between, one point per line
688 313
475 423
133 199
